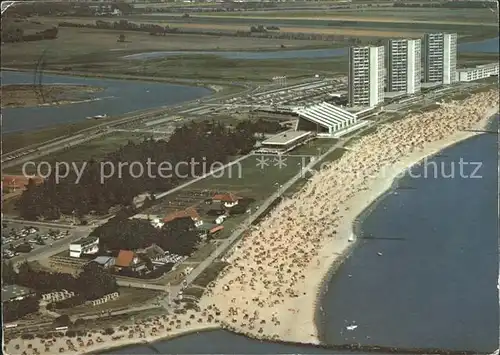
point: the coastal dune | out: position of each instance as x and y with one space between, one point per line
276 271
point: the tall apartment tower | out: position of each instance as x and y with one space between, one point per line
440 57
404 65
366 76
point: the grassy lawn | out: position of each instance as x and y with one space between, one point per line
371 14
202 253
229 225
249 180
174 277
211 67
194 291
18 140
314 147
209 274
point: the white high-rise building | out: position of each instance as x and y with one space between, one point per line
404 65
366 76
440 57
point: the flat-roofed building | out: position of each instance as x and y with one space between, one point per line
324 119
404 66
477 73
285 141
440 51
88 245
366 76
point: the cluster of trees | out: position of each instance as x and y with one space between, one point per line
15 33
36 8
197 145
262 28
261 125
178 236
92 283
269 32
124 25
14 310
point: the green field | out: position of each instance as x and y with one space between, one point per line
250 180
95 149
314 147
398 14
18 140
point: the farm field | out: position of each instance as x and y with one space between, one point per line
83 45
382 14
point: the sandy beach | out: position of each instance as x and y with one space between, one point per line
270 289
276 271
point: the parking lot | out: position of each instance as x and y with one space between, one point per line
18 239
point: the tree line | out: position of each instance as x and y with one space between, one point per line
202 143
36 8
92 283
15 33
271 32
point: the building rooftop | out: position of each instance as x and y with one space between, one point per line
125 258
145 216
229 197
10 292
481 66
103 260
188 212
19 181
285 138
86 240
325 114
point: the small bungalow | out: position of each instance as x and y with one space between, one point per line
105 261
228 200
128 259
188 212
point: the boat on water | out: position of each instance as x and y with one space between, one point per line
97 117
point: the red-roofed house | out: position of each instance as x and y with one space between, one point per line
229 200
188 212
16 182
128 259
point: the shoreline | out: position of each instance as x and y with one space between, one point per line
383 190
126 77
297 307
150 342
310 233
